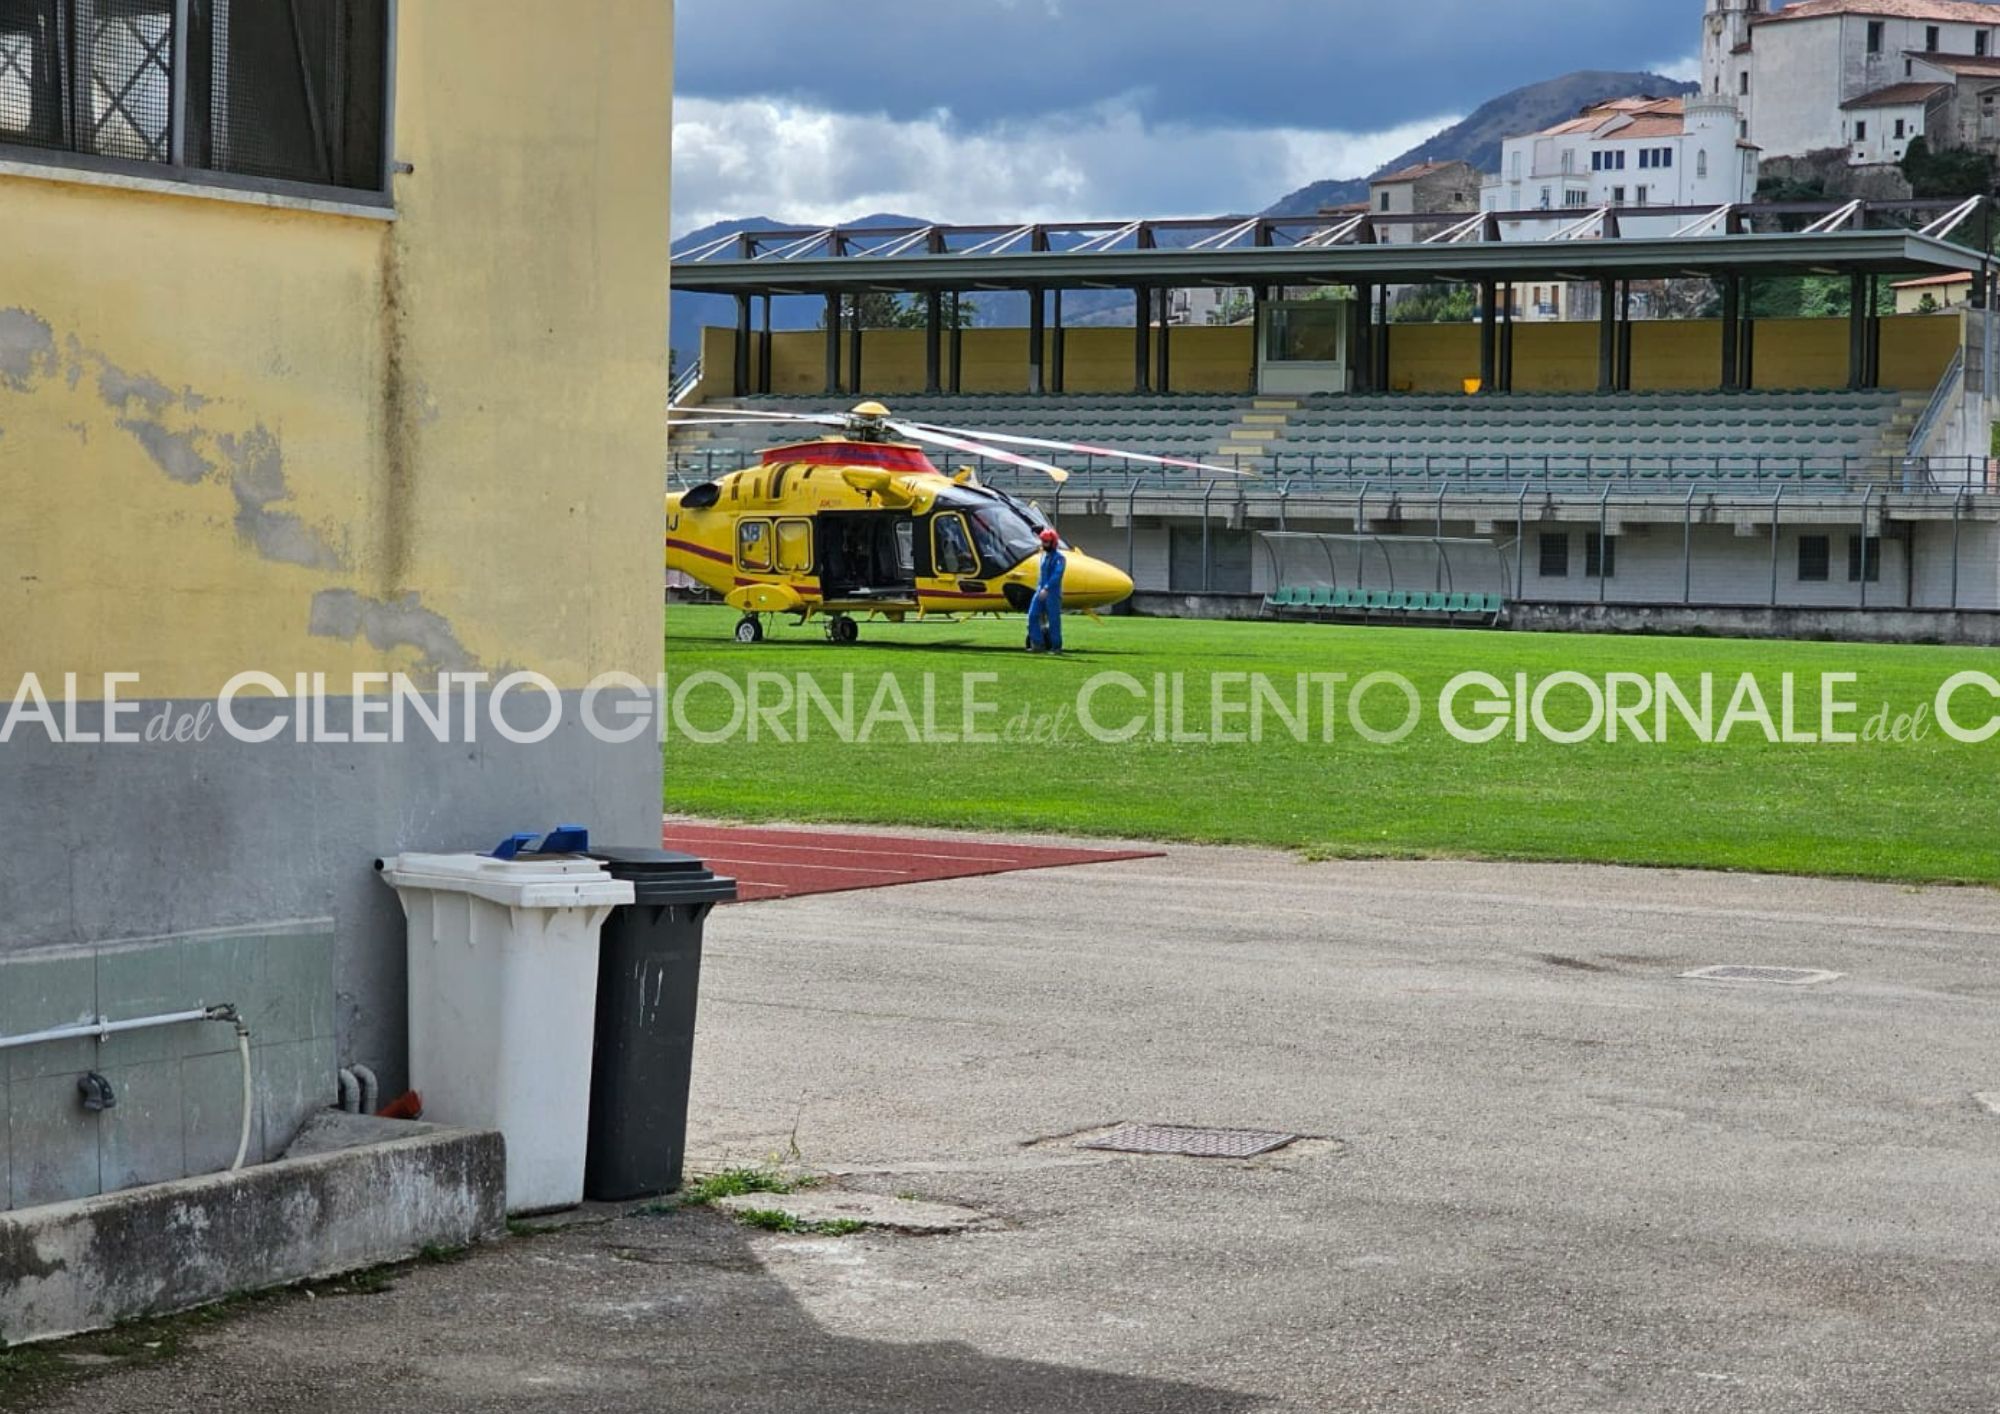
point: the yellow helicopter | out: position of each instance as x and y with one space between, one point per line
861 522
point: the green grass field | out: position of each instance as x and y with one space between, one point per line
1916 810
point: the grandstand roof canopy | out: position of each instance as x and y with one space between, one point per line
1907 238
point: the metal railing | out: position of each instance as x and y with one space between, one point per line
1948 389
684 384
1552 473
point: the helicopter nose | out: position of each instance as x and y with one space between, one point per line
1092 584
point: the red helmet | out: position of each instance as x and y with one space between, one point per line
1051 539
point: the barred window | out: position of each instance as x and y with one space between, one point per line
1864 559
1555 555
282 90
1600 556
1815 558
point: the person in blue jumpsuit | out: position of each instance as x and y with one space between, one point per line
1045 610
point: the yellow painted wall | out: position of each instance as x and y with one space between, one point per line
1672 354
1424 358
221 424
1096 360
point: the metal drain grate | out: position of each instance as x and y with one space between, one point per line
1190 1142
1777 976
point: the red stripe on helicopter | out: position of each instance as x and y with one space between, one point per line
852 454
742 583
701 550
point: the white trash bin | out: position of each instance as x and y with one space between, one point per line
503 992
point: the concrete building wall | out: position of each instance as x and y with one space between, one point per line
1799 77
295 439
1656 561
1879 136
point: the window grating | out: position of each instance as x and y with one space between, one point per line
291 90
125 54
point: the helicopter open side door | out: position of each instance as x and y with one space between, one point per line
867 556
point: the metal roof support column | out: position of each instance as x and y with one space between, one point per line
1486 332
1857 331
1625 336
1142 335
1058 373
1507 338
764 351
1607 334
1037 339
1731 349
957 343
1874 331
934 342
1166 382
833 346
854 338
1746 336
740 373
1364 338
1260 297
1382 365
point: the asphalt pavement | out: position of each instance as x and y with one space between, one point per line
1540 1170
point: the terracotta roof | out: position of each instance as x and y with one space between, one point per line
1899 95
1978 65
1411 174
1638 110
1962 277
1969 12
1652 127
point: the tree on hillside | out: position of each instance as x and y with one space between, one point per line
1946 174
880 310
1436 304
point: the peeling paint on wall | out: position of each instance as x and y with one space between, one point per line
27 349
174 453
257 478
389 625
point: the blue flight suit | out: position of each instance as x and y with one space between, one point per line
1045 610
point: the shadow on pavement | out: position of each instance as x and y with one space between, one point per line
677 1312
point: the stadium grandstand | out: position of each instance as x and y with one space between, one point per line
1709 463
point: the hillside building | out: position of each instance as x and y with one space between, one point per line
1864 76
1628 153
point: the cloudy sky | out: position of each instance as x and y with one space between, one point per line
969 110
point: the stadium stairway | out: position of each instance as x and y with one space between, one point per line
1257 431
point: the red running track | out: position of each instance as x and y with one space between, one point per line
768 864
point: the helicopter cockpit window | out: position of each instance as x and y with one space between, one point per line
1003 535
753 544
795 547
953 547
906 547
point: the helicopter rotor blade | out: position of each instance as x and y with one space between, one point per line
824 419
1082 449
739 422
937 438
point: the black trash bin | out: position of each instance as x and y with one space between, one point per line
647 976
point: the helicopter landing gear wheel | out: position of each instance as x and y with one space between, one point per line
842 630
749 629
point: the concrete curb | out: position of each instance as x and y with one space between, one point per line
87 1265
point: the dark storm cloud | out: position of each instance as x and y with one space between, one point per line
1304 63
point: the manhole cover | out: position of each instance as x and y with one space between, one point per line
1191 1142
1779 976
